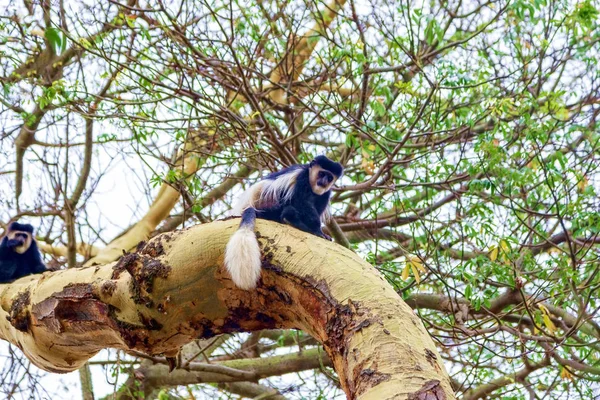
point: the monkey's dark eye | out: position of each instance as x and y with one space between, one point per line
325 177
21 235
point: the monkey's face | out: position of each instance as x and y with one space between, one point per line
321 180
24 238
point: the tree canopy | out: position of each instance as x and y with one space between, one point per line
468 131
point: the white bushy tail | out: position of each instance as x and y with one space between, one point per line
242 254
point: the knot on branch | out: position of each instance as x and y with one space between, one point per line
19 315
144 268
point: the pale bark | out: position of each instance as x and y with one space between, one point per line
174 289
149 378
84 249
252 390
231 378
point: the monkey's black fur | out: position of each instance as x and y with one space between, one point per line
14 265
305 208
298 195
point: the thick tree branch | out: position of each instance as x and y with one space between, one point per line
83 249
252 390
174 289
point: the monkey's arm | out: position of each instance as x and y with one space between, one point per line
7 262
7 247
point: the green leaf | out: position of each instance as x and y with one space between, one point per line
5 90
586 14
432 31
55 39
379 108
468 291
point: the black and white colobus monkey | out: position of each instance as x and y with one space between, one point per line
297 195
19 254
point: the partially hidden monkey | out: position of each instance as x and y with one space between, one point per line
19 254
297 195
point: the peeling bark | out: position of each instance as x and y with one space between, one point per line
174 289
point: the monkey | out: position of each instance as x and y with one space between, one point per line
297 195
19 254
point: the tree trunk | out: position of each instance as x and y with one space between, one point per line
174 289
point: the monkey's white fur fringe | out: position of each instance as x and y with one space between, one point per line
267 193
242 258
281 189
247 199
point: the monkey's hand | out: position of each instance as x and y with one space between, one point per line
327 237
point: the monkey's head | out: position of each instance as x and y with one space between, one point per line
22 233
323 173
